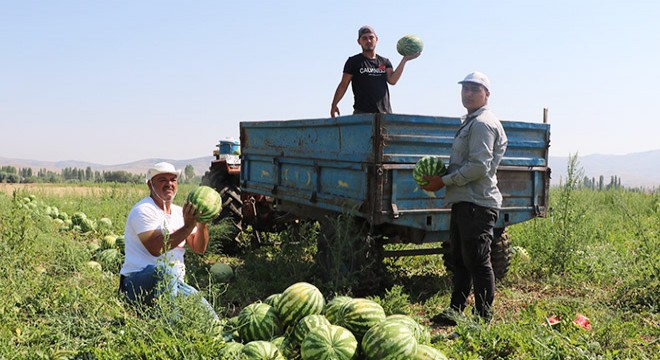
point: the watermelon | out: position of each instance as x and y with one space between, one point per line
389 340
273 299
87 225
258 321
359 315
104 225
108 242
93 247
207 201
231 351
110 259
299 300
52 211
409 44
426 352
421 333
331 309
94 265
120 242
329 342
78 217
305 325
520 254
221 272
261 350
287 348
428 166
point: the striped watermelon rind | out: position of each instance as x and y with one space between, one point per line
258 321
428 166
426 352
307 324
273 299
389 340
297 301
421 333
359 315
409 44
332 309
329 342
261 350
207 201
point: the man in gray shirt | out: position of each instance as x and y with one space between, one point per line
475 200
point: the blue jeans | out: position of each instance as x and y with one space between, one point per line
150 283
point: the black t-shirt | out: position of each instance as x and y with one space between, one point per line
369 83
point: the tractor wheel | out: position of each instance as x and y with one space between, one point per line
227 185
500 254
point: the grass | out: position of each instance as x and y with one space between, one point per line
597 255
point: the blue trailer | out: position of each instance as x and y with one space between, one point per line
362 164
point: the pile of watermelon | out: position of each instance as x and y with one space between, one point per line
299 324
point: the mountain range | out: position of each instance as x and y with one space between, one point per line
635 170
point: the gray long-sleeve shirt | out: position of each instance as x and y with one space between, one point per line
476 152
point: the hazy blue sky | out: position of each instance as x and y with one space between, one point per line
116 81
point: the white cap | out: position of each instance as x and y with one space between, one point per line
477 78
162 168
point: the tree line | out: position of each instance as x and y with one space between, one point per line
12 174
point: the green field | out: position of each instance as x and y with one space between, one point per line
597 254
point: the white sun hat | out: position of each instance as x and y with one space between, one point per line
162 168
477 78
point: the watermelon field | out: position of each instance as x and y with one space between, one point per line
584 283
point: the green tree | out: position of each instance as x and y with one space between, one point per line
189 173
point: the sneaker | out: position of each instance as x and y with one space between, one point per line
445 318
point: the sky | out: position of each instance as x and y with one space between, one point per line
111 82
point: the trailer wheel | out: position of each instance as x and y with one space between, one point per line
500 254
348 256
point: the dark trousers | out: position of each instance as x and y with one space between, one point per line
471 233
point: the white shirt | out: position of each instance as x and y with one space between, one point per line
147 216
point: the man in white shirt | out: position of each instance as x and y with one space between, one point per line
155 237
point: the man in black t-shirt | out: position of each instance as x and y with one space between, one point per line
368 74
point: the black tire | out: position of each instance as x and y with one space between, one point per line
227 185
500 254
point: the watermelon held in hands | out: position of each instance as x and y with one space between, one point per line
428 166
207 201
409 44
